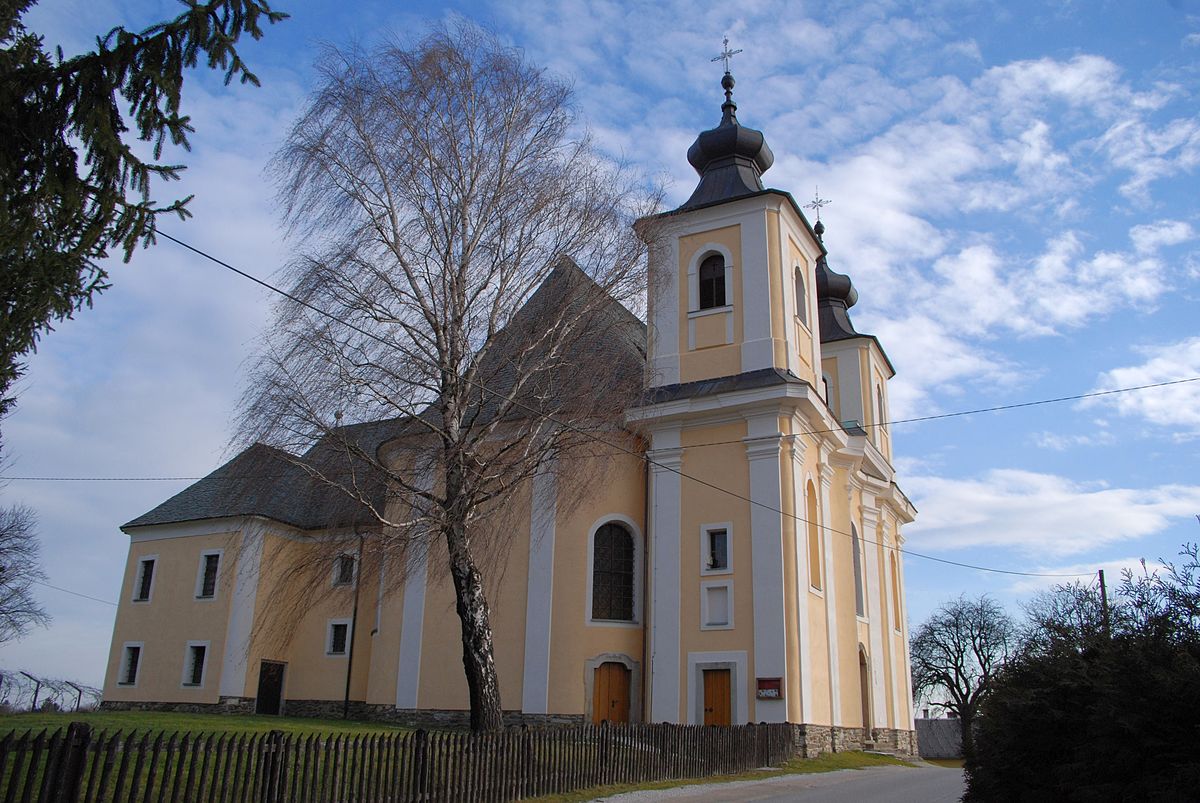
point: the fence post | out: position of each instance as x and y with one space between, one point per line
75 745
418 764
272 763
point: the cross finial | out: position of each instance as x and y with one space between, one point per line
726 53
817 202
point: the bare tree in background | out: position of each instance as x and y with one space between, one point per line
958 651
469 251
19 569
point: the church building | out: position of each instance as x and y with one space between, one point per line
742 565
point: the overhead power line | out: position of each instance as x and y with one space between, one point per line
75 593
613 445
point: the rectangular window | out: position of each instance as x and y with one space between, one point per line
193 671
206 585
343 570
716 548
716 605
339 633
129 667
145 580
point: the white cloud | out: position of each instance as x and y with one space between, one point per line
1039 514
1060 443
1174 406
1113 571
1148 238
1192 40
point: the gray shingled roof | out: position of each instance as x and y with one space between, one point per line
265 481
761 378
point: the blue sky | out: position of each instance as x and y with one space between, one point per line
1014 196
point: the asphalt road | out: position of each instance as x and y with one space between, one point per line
924 784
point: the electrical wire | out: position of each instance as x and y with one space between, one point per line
75 593
619 447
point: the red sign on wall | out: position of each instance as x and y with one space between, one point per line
770 689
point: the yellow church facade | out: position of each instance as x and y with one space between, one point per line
742 564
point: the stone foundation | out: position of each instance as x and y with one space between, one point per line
896 741
226 705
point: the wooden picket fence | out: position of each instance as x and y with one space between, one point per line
81 766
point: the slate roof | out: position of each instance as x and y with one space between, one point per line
265 481
939 738
761 378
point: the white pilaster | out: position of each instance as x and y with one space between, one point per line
664 522
758 350
236 659
540 594
766 545
796 447
827 536
412 623
879 626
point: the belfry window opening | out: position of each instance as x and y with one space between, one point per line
712 282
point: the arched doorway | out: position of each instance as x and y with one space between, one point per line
610 692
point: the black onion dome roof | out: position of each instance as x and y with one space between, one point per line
729 158
835 296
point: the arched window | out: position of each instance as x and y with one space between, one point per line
814 539
859 602
801 297
612 573
712 282
880 415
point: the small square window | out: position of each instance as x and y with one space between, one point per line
206 585
145 580
130 660
338 639
343 570
193 670
716 548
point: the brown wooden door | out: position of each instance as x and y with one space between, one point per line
716 697
610 693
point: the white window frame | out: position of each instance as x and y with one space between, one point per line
704 589
337 562
220 553
124 668
349 623
137 578
693 277
184 681
638 571
705 529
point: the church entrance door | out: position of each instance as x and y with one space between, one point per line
270 688
717 702
610 693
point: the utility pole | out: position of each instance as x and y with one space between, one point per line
1104 605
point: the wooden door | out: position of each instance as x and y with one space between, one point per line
717 702
610 693
270 688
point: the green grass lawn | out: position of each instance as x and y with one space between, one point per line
171 722
829 762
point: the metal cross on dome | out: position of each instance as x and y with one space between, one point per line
817 202
726 53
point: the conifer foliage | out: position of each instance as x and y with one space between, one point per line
74 184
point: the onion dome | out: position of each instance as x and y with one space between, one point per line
835 296
729 158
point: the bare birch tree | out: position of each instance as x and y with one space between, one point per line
466 248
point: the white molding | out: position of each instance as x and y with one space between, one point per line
705 586
187 664
539 598
763 445
123 669
220 553
186 529
758 348
800 545
869 520
638 571
408 665
635 683
835 684
705 552
236 659
137 579
664 519
329 624
693 276
663 328
734 660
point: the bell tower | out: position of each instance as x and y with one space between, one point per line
733 267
